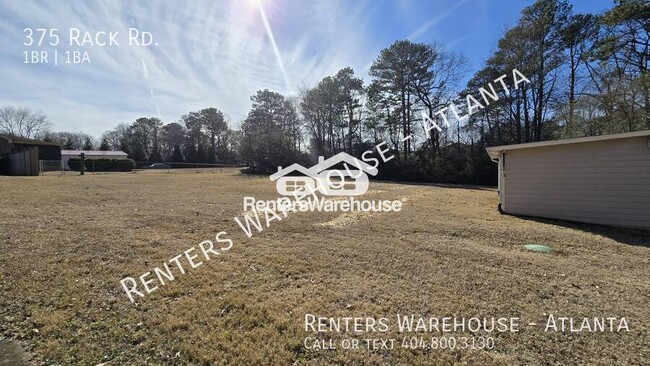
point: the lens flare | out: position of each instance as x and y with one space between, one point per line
269 32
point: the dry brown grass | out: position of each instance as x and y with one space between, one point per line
67 241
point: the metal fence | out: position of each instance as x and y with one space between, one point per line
46 166
171 167
51 166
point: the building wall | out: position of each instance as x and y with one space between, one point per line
5 150
5 147
49 152
604 182
25 162
45 152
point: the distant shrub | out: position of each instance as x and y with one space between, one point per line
103 165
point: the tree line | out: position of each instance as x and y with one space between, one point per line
198 137
588 75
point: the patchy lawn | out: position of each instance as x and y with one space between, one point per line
67 241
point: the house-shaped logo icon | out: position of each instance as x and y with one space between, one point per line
350 181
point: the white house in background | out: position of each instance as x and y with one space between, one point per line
91 154
599 180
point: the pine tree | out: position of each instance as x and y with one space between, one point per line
88 145
69 144
104 145
177 156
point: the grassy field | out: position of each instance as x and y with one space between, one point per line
67 241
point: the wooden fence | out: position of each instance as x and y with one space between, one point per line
24 162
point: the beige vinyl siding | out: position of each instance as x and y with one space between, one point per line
604 182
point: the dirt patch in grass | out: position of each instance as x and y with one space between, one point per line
66 242
12 354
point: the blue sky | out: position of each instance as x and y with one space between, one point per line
218 53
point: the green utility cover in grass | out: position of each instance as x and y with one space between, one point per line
538 248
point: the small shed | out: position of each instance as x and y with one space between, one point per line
91 154
12 146
600 180
46 150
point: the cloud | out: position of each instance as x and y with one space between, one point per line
424 28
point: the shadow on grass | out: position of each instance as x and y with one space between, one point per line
629 236
252 173
441 185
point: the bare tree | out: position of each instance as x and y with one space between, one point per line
117 137
69 140
22 121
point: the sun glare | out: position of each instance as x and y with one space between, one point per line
276 51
